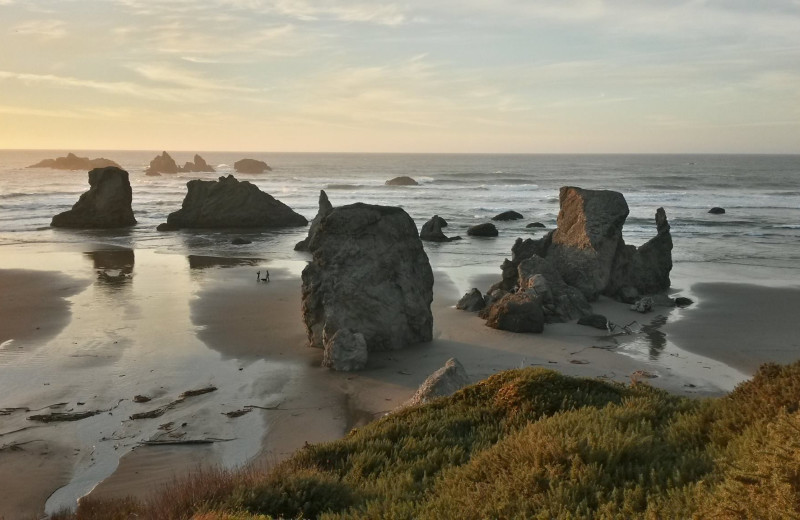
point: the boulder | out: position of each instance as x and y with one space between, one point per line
369 274
682 301
251 166
597 321
472 301
73 162
107 204
228 203
240 241
344 350
162 164
442 222
643 305
716 211
508 215
432 231
588 235
536 225
446 381
493 296
402 181
325 207
483 230
520 312
560 302
199 165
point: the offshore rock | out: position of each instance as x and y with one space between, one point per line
163 163
402 181
198 165
446 381
107 204
228 203
472 301
483 230
251 166
370 275
325 207
588 235
508 215
432 231
73 162
536 225
717 211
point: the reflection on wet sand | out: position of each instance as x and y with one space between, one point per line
206 262
114 267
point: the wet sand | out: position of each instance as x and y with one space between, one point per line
160 324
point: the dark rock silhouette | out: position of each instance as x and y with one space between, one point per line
251 166
241 241
682 301
716 211
325 207
483 230
508 215
163 163
107 204
432 231
402 181
228 203
370 276
472 301
73 162
199 165
536 225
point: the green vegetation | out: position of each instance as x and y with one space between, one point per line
529 443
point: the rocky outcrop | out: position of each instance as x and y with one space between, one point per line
370 275
199 165
107 204
560 301
508 215
432 231
163 163
251 166
345 350
228 203
483 230
717 211
73 162
325 207
519 312
402 181
446 381
472 301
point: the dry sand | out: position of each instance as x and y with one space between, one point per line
175 323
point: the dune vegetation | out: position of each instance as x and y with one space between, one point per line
528 443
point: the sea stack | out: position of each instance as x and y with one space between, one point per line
163 163
228 203
107 204
251 166
73 162
370 277
199 165
325 207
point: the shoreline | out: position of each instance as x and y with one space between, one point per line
223 331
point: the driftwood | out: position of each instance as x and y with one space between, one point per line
64 416
182 441
238 413
199 391
158 412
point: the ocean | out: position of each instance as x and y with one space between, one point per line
761 194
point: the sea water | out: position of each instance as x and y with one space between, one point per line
761 195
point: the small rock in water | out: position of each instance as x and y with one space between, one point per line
239 241
535 225
682 301
716 211
403 180
644 305
483 230
508 215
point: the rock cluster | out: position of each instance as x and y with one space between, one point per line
584 257
107 204
73 162
228 203
199 165
369 278
251 166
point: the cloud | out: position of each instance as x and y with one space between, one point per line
42 29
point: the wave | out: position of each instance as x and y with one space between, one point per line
346 187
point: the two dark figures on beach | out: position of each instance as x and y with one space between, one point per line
259 279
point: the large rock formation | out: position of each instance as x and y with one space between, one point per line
446 381
163 163
228 203
325 207
369 275
199 165
107 204
588 234
432 231
251 166
73 162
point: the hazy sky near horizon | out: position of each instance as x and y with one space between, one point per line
407 76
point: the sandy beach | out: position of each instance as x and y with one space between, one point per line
114 324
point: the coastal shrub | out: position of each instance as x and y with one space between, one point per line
531 443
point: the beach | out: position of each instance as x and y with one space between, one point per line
94 328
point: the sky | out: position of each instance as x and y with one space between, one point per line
473 76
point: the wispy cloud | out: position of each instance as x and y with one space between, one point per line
42 29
